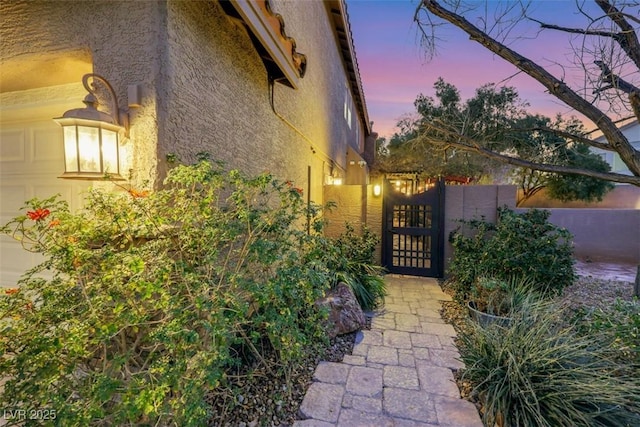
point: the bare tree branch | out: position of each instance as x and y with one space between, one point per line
558 88
566 135
615 81
464 143
627 38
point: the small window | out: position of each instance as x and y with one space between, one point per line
347 108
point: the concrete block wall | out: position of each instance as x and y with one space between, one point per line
609 235
356 205
473 202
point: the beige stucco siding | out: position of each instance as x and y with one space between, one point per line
325 82
204 86
119 40
218 95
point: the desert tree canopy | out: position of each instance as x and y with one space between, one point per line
599 80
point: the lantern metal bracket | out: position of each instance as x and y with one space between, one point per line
120 117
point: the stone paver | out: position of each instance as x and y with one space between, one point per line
438 329
369 337
438 380
353 360
399 373
457 413
367 404
332 373
446 358
355 418
410 404
364 381
322 402
426 340
400 377
397 339
382 354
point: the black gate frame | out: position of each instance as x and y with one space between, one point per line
435 198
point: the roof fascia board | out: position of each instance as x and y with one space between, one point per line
258 22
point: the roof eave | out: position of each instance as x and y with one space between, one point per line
337 10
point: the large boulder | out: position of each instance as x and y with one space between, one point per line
345 313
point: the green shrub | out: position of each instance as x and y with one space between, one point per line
154 297
351 259
538 373
522 245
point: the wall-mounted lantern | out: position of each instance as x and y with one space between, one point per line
91 137
377 190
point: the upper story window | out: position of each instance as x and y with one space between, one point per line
348 108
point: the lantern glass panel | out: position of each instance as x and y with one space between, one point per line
110 151
89 149
70 149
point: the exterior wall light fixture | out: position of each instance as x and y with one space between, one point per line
377 190
92 137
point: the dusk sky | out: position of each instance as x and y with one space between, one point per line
394 68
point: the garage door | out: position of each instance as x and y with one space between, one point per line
31 159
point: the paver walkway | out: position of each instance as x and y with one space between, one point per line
400 372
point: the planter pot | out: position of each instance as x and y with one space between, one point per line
485 319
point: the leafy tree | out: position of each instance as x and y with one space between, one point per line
555 150
498 117
579 187
607 54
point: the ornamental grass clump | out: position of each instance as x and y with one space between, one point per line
539 372
148 300
618 325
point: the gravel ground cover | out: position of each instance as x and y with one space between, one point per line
263 399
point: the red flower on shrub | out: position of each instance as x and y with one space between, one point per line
38 214
298 190
289 183
11 291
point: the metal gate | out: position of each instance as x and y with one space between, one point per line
413 231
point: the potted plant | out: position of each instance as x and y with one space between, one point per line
492 300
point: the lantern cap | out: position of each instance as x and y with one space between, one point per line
90 112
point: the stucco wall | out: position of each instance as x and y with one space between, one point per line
217 98
599 234
204 86
621 197
120 38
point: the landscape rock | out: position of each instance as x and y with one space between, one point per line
345 313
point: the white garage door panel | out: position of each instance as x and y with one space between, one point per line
46 143
13 197
15 260
14 255
31 148
12 149
31 160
